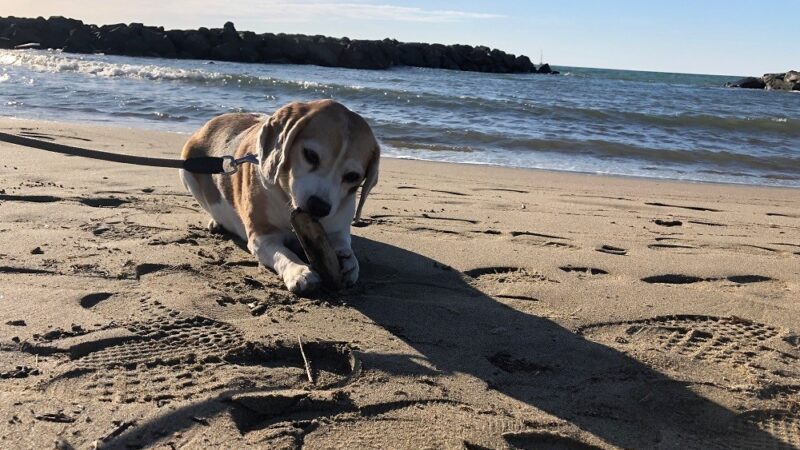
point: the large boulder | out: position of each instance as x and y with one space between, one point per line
481 57
112 38
293 48
80 40
135 45
523 64
249 43
364 55
270 50
503 61
433 54
159 42
59 29
389 48
778 84
748 83
792 76
195 45
410 54
458 54
325 52
22 33
229 34
226 51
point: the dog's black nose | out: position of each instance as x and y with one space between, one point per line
318 207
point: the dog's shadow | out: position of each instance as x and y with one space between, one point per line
459 329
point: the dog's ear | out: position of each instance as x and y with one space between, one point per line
370 180
276 139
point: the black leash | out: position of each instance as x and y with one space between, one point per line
206 164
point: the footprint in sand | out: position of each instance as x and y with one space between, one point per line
727 353
50 137
674 278
30 198
784 425
611 250
91 300
516 191
95 202
25 270
177 356
122 230
544 439
506 282
421 422
743 352
693 208
708 224
662 246
545 240
460 194
668 223
583 270
103 202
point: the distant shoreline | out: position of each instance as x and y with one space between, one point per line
228 44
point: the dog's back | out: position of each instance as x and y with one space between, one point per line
220 136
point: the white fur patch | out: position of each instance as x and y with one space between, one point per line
222 212
271 252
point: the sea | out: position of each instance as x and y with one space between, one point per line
600 121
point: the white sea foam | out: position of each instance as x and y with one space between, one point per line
55 62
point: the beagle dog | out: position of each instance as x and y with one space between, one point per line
312 156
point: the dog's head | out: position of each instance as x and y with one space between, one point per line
319 153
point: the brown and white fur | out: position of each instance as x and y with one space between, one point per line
312 156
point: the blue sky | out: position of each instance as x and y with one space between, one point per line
702 36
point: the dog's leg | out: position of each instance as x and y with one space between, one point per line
341 243
272 252
214 227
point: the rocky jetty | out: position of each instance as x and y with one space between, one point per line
788 81
228 44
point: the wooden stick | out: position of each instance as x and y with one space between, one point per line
305 360
317 248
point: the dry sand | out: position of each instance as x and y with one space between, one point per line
496 308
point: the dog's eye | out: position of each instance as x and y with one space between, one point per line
311 156
351 177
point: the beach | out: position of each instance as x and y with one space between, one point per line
496 308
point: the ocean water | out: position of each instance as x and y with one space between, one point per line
657 125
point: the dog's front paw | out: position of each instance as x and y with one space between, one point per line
301 279
349 266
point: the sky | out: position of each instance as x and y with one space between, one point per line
731 37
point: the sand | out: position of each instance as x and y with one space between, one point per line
497 308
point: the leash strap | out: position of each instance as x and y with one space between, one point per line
227 165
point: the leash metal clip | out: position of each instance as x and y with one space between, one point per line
230 165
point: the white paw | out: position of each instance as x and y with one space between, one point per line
349 266
301 279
